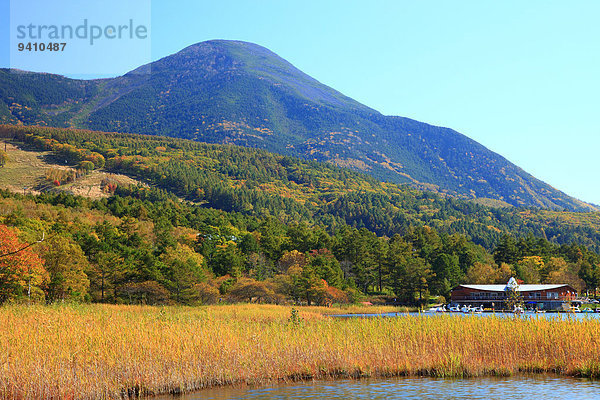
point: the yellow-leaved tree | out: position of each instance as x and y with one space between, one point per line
66 263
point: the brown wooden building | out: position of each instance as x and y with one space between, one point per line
543 297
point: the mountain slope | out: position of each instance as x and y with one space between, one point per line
256 183
241 93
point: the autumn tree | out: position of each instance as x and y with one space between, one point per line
22 272
481 273
529 269
334 295
294 260
290 267
205 293
504 273
559 271
86 166
311 287
183 268
66 263
147 292
248 289
300 280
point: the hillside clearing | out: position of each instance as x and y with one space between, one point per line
25 172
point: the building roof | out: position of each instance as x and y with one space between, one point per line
521 288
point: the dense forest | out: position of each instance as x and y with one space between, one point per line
259 183
223 223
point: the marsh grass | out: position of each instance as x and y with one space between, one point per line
104 351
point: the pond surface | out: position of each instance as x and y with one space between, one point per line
562 315
540 387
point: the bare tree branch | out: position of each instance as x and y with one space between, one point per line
23 248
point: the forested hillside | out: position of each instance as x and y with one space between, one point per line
259 183
241 93
237 224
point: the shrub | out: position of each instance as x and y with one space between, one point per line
86 166
204 293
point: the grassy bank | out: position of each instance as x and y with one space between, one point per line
101 351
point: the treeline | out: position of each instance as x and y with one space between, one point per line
143 245
262 184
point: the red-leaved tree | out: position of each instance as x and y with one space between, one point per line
22 272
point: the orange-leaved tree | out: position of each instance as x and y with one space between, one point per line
22 272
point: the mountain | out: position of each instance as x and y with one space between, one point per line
241 93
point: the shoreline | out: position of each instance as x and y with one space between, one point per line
308 380
503 313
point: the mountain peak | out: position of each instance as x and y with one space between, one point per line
243 51
218 58
226 44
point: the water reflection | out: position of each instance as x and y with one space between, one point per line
544 387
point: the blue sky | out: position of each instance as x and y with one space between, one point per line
520 77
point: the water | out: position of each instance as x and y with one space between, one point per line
542 387
562 315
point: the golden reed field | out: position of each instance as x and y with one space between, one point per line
104 351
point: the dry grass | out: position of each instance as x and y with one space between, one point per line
25 173
23 169
102 351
